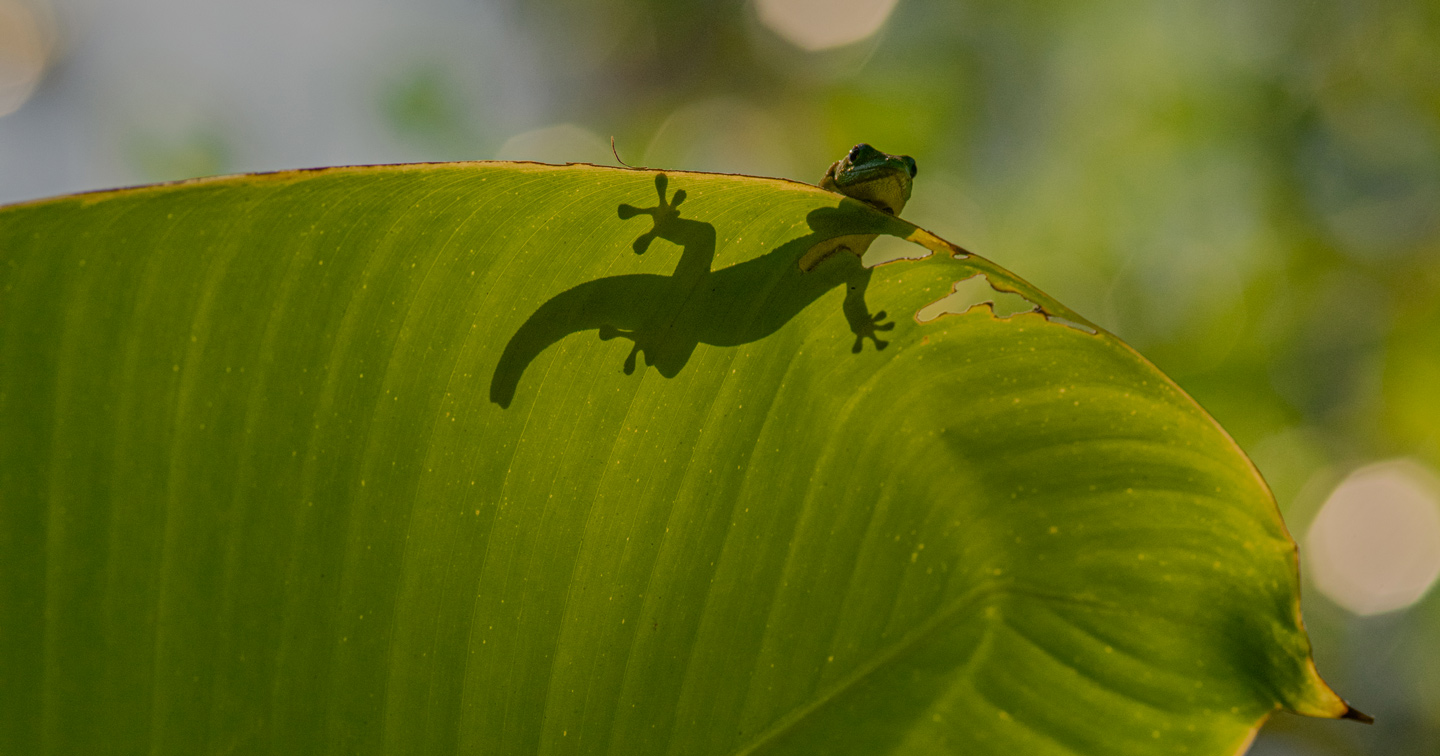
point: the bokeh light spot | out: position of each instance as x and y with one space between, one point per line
1375 545
23 52
815 25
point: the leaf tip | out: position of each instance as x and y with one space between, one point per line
1359 716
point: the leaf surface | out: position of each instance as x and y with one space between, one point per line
510 458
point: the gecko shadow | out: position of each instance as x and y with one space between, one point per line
667 317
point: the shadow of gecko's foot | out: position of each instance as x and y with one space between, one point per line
663 214
869 333
608 332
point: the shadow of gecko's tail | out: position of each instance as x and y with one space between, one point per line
617 303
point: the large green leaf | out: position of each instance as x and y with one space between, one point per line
334 462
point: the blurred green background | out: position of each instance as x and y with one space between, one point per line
1247 192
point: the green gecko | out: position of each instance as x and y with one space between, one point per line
870 176
879 180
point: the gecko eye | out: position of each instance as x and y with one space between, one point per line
910 164
855 151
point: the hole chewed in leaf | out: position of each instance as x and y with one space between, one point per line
888 249
1068 322
976 291
878 249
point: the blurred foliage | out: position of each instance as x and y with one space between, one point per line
202 152
426 106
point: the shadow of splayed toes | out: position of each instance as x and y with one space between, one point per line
666 317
